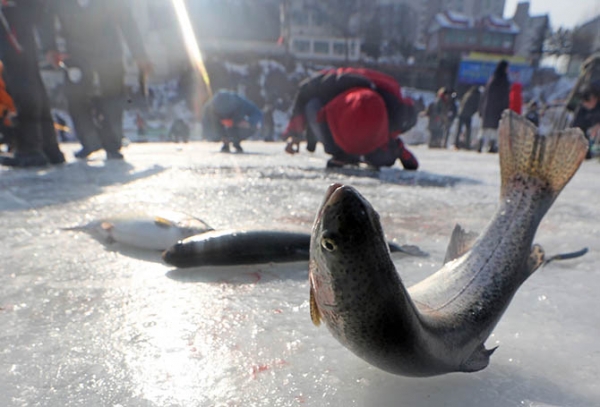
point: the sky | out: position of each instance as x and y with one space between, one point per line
565 13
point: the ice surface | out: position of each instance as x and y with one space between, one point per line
85 324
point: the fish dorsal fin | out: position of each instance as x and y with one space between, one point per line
461 242
315 314
537 258
163 222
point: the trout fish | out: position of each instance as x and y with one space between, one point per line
232 247
440 324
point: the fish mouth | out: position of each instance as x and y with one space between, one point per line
333 188
175 256
329 198
358 212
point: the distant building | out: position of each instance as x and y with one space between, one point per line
398 21
533 32
223 26
475 9
452 34
586 41
317 30
162 37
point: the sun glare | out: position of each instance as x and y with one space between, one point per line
189 38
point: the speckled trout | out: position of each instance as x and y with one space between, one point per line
237 246
440 324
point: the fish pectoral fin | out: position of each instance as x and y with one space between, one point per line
315 314
108 227
478 359
566 256
537 258
163 222
408 249
461 242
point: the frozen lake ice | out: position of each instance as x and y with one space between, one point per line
89 324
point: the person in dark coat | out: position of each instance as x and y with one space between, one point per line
494 101
93 31
587 117
33 136
468 107
532 114
268 128
180 131
452 112
357 114
439 114
230 118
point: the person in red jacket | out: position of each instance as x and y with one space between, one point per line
515 98
358 115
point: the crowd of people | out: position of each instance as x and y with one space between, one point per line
489 102
93 62
358 115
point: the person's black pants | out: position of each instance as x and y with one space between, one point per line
466 122
34 132
97 113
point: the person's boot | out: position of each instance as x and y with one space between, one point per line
114 155
24 160
54 155
84 153
311 142
480 147
225 148
340 161
238 147
408 160
493 147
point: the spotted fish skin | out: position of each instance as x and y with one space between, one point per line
439 325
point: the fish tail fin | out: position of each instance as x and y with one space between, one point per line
526 155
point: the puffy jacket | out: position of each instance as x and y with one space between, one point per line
515 102
329 84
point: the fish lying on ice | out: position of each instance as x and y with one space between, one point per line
231 247
146 231
440 324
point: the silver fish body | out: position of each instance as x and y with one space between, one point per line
440 324
143 230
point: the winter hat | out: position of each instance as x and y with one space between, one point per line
358 120
593 89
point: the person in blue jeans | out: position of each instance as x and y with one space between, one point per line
230 118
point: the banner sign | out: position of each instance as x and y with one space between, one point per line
473 72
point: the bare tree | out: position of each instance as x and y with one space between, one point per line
559 42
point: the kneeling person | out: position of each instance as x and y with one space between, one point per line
357 114
230 118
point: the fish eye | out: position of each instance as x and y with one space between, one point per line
328 244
